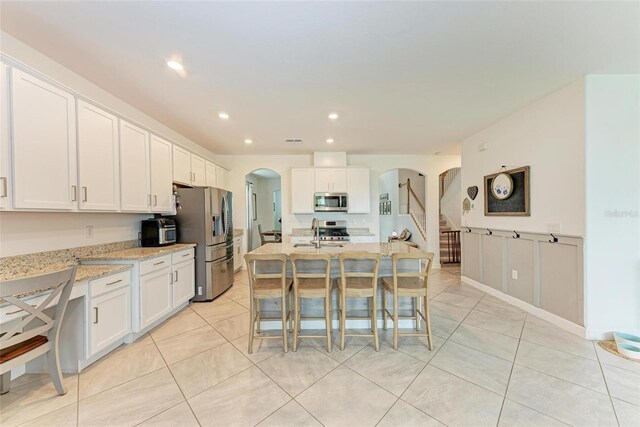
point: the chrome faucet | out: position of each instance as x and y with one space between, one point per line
315 226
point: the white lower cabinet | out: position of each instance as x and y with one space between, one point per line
155 296
111 318
183 282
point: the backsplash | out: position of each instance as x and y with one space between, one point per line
51 260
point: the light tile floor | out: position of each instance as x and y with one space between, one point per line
493 364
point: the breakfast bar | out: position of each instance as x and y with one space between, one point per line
356 306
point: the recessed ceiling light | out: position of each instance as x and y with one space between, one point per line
333 116
175 65
248 141
329 141
223 116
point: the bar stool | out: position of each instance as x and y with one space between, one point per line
311 285
358 284
409 284
271 283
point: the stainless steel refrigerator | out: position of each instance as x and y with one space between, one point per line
205 218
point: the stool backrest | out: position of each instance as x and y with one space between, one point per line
275 266
345 259
296 259
425 260
36 322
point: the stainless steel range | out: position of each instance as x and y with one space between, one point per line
333 231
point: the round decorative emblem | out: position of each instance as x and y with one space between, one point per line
502 186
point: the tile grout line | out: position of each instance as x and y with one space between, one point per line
615 413
177 385
513 364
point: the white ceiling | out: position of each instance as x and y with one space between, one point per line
405 77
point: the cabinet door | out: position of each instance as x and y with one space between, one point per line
135 190
155 296
5 184
210 173
184 285
161 185
111 318
338 180
198 171
302 189
358 190
323 180
237 253
181 165
44 144
98 165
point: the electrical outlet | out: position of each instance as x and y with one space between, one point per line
514 274
88 231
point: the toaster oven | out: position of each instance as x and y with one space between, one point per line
158 232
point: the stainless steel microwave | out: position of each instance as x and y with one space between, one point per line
331 202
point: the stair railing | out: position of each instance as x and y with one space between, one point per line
416 209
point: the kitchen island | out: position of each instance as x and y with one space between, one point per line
355 306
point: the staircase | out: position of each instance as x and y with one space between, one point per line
416 210
449 238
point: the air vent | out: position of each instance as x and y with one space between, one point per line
293 141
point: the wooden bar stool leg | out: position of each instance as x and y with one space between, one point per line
284 321
395 321
374 322
416 308
296 325
252 325
258 316
327 319
343 317
384 308
428 321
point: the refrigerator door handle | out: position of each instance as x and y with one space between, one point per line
225 215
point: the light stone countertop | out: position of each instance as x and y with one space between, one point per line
303 232
138 254
83 272
384 249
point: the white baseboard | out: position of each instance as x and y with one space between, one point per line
536 311
335 324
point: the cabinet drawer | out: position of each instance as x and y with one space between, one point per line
177 257
11 312
109 283
155 264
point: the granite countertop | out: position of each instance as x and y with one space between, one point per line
138 254
384 249
83 272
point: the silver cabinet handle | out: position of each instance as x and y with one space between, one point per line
18 311
176 275
155 200
158 263
148 199
186 255
95 311
4 186
84 194
170 278
113 283
74 192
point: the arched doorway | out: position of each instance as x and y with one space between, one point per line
402 194
450 213
264 207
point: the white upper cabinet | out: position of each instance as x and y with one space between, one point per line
331 180
181 165
5 185
198 171
161 183
135 192
358 190
302 189
44 144
211 174
222 178
98 171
